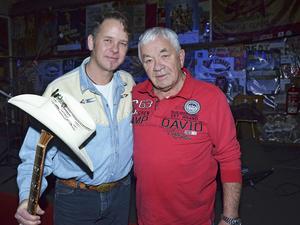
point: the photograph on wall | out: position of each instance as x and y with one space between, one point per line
183 17
92 12
71 29
231 87
217 66
209 66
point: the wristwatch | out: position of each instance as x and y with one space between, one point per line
232 221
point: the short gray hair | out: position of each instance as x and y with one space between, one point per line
154 32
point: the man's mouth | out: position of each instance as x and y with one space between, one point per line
161 76
112 58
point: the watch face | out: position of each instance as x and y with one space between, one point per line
237 222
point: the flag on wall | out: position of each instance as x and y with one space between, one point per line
255 20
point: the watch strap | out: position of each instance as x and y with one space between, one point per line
232 221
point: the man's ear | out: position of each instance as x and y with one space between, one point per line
90 42
181 57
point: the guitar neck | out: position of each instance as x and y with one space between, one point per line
37 172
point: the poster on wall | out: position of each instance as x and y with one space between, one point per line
94 11
182 16
204 20
71 29
189 60
24 35
209 66
136 20
70 64
133 66
255 20
263 82
48 70
218 66
47 32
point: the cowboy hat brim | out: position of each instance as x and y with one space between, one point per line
41 109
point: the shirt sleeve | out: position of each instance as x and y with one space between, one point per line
226 146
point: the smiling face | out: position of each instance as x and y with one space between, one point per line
163 64
109 46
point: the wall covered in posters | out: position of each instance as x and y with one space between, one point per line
256 19
52 31
60 33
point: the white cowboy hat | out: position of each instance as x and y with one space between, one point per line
64 116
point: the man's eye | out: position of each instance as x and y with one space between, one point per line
165 56
124 45
147 61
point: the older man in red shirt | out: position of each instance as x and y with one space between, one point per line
183 133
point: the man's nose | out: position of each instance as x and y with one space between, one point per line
157 65
115 47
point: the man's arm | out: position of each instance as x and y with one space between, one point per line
231 200
227 153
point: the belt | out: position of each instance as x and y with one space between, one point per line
99 188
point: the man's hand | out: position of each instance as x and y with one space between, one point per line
24 218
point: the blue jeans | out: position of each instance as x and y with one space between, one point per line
86 207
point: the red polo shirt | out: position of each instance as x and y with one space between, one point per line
178 143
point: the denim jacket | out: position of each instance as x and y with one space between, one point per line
110 148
